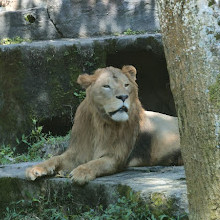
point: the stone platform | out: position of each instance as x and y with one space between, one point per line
159 187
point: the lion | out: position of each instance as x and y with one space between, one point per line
112 131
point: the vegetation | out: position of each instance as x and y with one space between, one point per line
124 209
130 32
33 142
80 94
15 40
30 18
214 92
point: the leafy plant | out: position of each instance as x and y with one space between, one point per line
32 210
6 154
131 32
15 40
81 94
36 135
34 142
30 18
123 209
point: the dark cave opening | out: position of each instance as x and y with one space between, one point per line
152 78
57 126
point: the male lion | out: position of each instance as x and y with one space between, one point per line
111 131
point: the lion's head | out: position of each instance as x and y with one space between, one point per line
112 91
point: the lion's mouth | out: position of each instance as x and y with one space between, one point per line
122 109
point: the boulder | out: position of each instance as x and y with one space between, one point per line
38 79
161 188
53 149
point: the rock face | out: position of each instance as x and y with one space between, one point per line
42 20
160 187
75 18
38 79
31 23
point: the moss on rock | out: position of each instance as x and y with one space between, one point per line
160 204
128 193
12 105
40 83
214 93
14 190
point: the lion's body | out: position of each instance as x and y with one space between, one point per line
157 142
111 131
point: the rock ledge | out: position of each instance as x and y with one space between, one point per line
159 187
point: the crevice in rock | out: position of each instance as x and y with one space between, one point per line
57 126
57 29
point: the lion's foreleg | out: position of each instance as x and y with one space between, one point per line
52 166
94 168
47 167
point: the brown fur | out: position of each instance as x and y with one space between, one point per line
100 145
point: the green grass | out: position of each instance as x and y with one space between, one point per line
123 209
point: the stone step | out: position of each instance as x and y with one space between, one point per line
162 188
38 79
42 20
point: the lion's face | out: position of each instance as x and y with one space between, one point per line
112 92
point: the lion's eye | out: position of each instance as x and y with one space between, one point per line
106 86
126 85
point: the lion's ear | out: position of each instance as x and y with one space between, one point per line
130 70
85 80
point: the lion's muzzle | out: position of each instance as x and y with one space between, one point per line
120 114
121 110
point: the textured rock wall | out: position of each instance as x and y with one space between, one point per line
38 80
41 19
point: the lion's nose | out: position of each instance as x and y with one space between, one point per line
122 97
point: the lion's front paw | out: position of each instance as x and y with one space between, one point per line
33 173
82 175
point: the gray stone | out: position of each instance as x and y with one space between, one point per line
74 18
163 186
38 79
28 24
54 149
41 19
13 5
